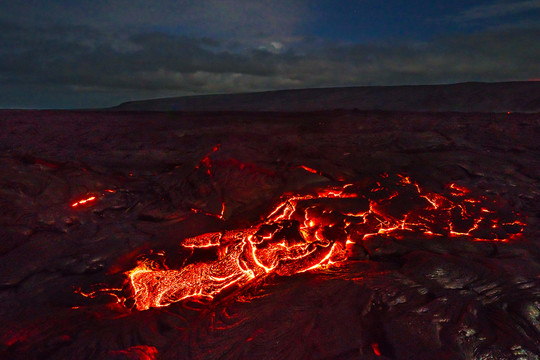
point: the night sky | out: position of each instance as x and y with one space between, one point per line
98 53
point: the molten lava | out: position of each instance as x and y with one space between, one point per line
84 201
315 230
309 231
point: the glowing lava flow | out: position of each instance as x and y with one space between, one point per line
91 199
84 201
307 232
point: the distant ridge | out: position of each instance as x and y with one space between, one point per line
519 96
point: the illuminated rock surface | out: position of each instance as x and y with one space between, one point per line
86 196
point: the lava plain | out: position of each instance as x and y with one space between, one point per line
324 235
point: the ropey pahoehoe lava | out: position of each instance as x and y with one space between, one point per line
295 238
314 230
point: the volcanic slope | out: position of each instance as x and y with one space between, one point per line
464 97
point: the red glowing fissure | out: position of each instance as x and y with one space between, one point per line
314 231
311 231
91 198
83 201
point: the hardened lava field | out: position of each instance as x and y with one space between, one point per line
329 235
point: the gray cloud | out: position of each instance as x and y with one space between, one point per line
104 66
497 10
248 22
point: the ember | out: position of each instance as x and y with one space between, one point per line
84 201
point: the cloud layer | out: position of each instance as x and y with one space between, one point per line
481 12
119 56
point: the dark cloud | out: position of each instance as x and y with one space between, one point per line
481 12
485 56
247 21
101 61
85 57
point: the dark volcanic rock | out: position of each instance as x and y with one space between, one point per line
406 297
465 97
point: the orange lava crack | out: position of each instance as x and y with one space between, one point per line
308 232
84 201
313 231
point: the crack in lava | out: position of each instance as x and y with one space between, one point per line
313 231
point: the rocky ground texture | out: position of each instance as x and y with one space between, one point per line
407 298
